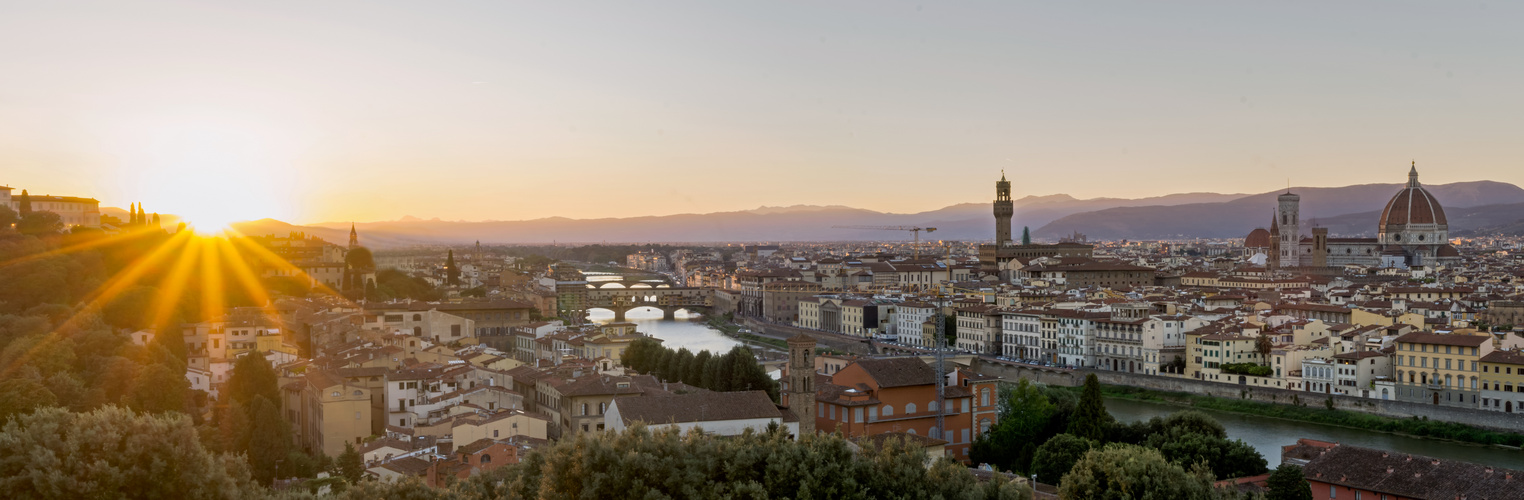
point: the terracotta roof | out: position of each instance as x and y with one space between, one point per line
899 372
1412 205
700 407
1445 339
1504 357
1411 476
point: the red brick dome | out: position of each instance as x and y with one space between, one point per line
1413 205
1258 238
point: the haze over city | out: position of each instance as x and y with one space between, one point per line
338 111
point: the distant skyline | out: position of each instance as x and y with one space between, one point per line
367 111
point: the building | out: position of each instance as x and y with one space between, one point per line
1001 257
1441 369
1412 232
326 411
1084 272
780 299
72 211
1344 472
1503 381
715 413
1022 332
798 391
877 396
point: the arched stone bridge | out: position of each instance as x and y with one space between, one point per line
668 299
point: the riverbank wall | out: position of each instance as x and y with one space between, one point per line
1496 421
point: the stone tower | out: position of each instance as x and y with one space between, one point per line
801 382
1287 214
1320 247
1003 211
354 237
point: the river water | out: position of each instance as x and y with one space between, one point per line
1268 435
688 330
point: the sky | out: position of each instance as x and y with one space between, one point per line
496 110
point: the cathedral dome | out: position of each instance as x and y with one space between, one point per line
1258 238
1413 205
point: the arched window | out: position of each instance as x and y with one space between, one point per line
932 406
909 408
418 331
584 408
935 434
888 411
486 459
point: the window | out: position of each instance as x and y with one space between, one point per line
909 408
417 317
486 459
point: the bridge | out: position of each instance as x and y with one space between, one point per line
669 299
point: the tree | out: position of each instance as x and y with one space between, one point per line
1054 458
1127 471
695 374
677 367
252 377
22 395
351 465
1026 235
1226 459
1090 419
1024 416
40 223
7 217
1288 483
452 273
1263 345
113 452
158 389
269 436
25 204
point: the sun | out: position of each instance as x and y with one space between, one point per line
210 173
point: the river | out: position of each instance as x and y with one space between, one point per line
688 330
1268 435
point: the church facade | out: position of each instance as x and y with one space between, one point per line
1412 232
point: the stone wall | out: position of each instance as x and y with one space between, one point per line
1506 422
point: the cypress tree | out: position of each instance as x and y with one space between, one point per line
1026 236
156 223
1090 419
351 465
26 204
452 275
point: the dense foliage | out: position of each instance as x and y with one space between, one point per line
1126 471
113 452
1054 419
1291 410
1288 483
736 370
1254 369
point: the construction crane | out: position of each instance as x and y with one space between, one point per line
913 229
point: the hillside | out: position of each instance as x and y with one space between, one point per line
1345 210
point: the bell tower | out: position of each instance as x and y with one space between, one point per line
1288 215
801 382
1003 211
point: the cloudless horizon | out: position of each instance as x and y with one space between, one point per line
371 111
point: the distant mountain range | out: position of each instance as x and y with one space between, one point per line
1346 211
1350 210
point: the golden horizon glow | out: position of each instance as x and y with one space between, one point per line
192 258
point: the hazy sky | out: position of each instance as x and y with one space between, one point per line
332 110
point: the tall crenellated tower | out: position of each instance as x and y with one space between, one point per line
1003 211
801 382
1288 214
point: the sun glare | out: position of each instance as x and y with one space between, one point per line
210 173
